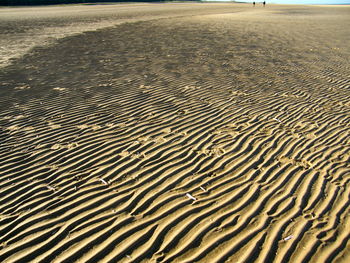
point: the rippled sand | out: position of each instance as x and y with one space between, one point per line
214 133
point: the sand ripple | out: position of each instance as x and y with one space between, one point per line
209 139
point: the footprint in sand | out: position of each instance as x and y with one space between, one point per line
59 89
13 128
56 146
83 126
52 125
166 130
124 154
24 87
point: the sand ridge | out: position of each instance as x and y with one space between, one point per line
210 138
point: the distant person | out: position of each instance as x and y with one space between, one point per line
264 3
254 4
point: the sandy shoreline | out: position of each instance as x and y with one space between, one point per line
208 136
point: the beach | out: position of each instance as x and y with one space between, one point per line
199 132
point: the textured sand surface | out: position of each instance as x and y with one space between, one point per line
218 137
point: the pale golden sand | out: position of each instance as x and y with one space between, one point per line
220 137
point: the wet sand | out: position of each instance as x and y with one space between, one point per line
21 29
214 133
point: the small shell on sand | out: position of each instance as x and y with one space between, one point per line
191 197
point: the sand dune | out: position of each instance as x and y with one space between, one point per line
210 138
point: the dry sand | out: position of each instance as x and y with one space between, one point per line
217 135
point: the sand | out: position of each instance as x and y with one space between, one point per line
216 134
